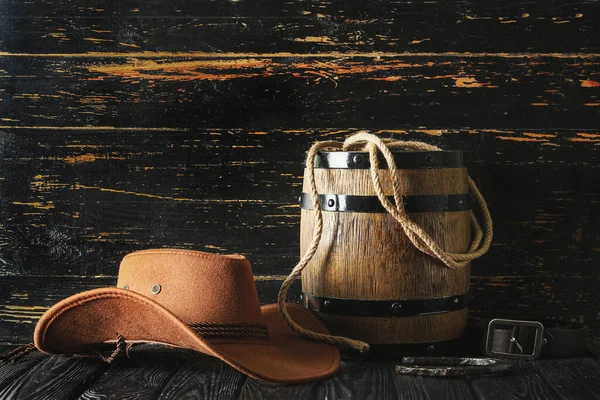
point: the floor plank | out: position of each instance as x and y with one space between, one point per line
523 382
203 378
55 377
10 370
354 381
576 378
417 388
128 379
148 374
151 375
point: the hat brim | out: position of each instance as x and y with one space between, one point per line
83 321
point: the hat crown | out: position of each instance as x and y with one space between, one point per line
194 285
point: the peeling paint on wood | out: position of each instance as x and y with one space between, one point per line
119 133
274 92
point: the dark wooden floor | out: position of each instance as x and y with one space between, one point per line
143 376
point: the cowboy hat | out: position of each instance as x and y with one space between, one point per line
190 299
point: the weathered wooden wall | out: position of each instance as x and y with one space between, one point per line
126 125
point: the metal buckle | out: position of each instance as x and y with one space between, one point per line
537 346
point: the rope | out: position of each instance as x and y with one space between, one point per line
204 329
18 353
232 329
120 346
419 238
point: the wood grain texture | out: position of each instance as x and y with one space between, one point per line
526 382
53 378
12 370
299 26
148 376
151 375
354 381
294 91
574 378
418 387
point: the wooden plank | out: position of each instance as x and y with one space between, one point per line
299 26
204 378
417 387
12 369
165 376
266 91
79 200
571 377
355 380
524 381
55 377
363 380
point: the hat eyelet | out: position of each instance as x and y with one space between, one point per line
126 287
156 288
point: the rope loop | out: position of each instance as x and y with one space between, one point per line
365 141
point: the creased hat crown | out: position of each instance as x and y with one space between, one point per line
195 286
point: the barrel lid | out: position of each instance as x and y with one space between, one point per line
404 159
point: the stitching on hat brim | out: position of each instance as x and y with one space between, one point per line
189 253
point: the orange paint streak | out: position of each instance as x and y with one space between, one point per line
185 70
589 83
389 79
585 140
419 41
90 157
35 204
520 139
316 39
470 82
539 135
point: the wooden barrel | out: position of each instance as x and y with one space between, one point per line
367 281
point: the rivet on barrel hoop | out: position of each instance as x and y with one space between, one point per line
326 303
357 159
331 202
431 349
429 158
396 306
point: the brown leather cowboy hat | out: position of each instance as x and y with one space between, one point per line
195 300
